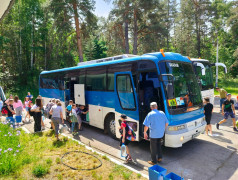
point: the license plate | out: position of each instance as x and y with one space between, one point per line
195 135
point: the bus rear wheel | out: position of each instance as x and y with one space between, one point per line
111 126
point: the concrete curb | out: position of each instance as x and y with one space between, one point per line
26 130
111 159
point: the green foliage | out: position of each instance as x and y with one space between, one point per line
105 157
57 160
40 35
126 175
40 170
49 161
10 149
234 69
95 49
138 175
229 84
110 176
95 176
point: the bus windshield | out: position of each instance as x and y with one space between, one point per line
182 90
207 79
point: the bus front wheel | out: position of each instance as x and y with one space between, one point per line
111 126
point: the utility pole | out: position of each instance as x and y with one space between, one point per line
217 66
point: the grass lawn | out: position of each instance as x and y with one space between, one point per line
230 85
31 156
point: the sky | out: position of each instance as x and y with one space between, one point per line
103 8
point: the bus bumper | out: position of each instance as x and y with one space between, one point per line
177 140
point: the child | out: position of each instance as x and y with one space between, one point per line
73 118
27 107
84 112
10 112
68 111
79 113
124 134
208 109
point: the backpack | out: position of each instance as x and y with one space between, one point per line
4 109
130 133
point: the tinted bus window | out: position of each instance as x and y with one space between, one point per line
82 77
96 79
131 67
49 81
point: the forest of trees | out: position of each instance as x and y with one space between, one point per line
39 35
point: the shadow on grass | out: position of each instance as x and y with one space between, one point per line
39 134
50 133
60 143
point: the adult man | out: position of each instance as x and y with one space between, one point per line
30 96
228 109
222 96
157 122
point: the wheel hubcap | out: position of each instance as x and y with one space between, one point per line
112 127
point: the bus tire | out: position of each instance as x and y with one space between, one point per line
110 126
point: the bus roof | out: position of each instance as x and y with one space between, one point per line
156 56
199 60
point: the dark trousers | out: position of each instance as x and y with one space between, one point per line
37 119
221 102
155 149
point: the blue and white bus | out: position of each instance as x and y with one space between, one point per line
126 85
203 70
2 95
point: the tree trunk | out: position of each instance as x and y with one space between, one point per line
126 37
79 43
135 33
32 36
168 27
197 19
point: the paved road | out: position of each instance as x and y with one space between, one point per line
203 158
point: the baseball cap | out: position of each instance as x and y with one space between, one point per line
123 116
228 94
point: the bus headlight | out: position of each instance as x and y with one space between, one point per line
176 128
182 138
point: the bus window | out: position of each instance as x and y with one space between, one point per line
96 79
82 77
125 92
131 67
51 82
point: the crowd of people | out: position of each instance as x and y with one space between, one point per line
13 106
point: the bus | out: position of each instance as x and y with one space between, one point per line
2 95
203 70
127 85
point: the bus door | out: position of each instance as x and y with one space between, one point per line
79 94
126 102
149 90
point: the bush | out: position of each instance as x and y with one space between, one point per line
40 170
